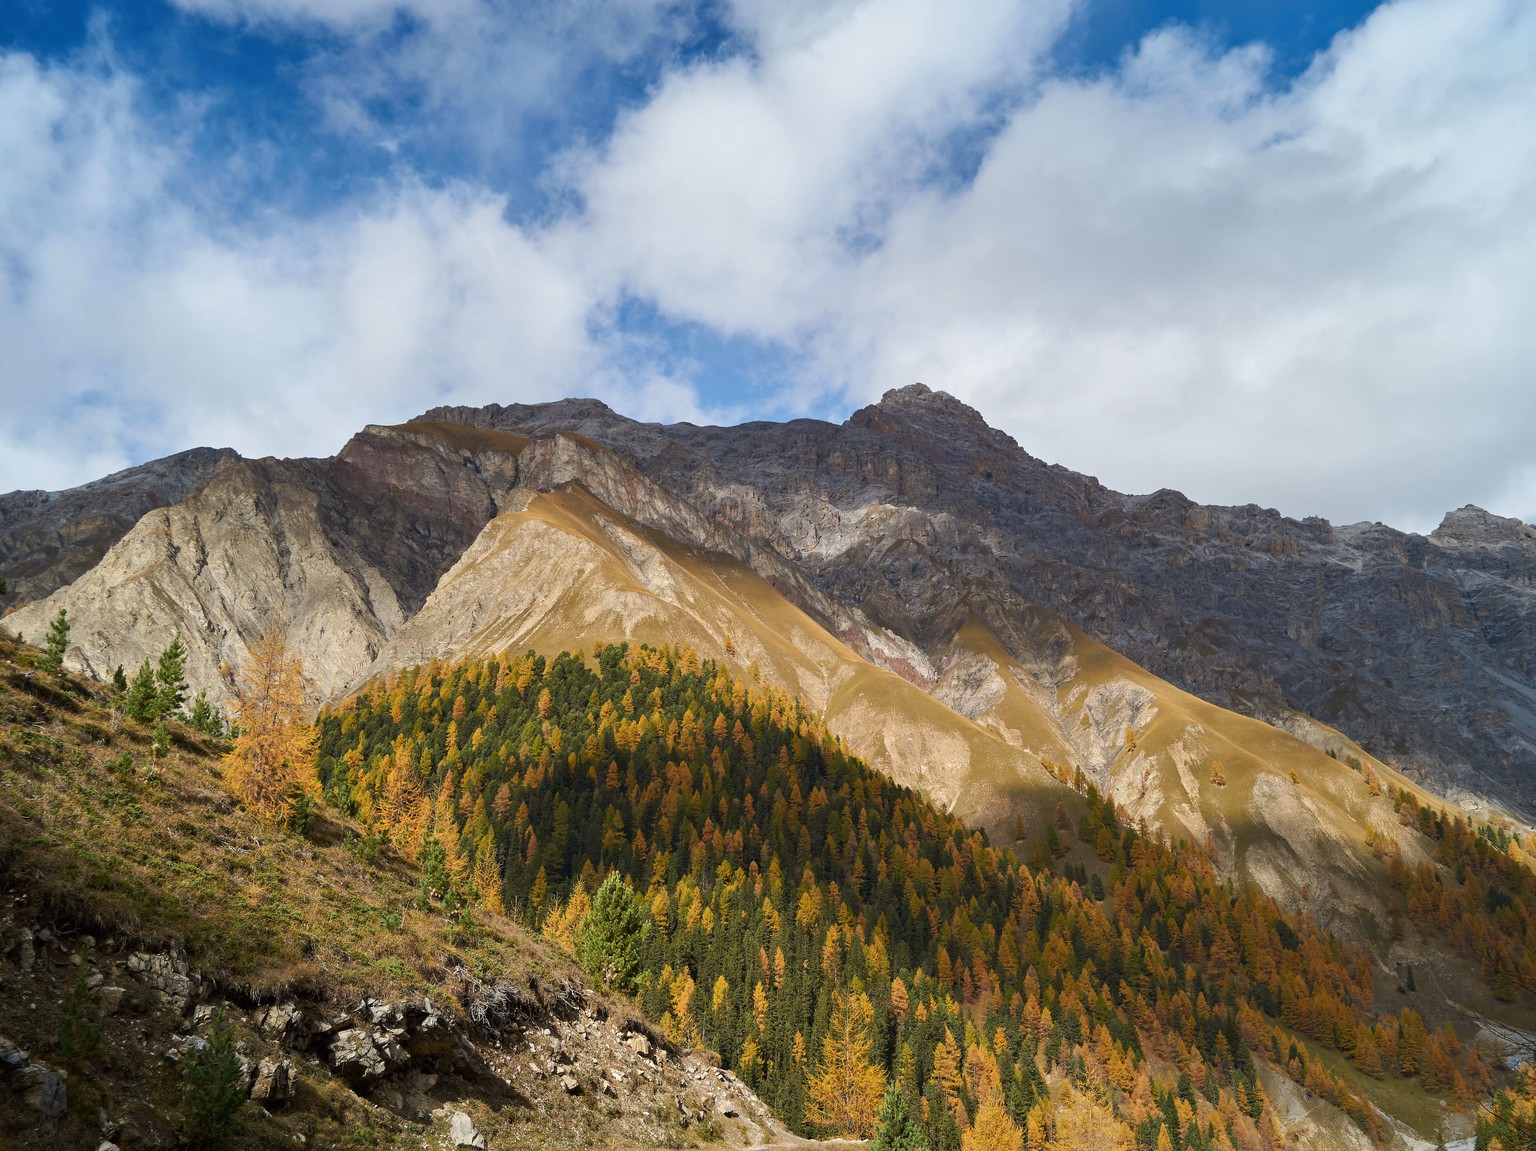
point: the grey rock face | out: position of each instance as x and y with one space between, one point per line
49 539
169 976
915 513
274 1082
42 1089
364 1056
284 1023
346 549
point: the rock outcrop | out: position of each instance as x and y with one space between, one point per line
49 539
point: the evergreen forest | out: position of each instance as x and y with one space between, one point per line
702 841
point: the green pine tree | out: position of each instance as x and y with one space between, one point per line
170 678
140 703
119 680
213 1085
609 947
56 643
205 717
896 1131
162 740
80 1027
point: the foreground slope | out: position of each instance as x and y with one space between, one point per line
139 898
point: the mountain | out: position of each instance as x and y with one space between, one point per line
918 513
1012 640
898 571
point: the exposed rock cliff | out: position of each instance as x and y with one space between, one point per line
49 539
915 513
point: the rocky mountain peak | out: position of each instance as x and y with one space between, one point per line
1471 525
918 401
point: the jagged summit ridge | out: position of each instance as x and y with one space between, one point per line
912 517
1470 524
929 402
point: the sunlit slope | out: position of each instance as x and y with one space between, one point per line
562 571
1276 811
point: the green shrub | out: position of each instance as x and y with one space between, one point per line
80 1026
213 1085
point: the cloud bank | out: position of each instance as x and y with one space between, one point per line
1311 293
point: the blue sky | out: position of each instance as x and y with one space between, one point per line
1271 252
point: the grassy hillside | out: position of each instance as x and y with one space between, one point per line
109 850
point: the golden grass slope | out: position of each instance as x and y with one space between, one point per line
561 571
1288 817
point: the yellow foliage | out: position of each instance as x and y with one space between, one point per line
844 1092
563 927
272 761
993 1130
1086 1123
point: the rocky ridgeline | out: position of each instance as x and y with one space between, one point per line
891 529
418 1059
914 513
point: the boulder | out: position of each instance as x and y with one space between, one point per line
12 1058
183 1045
462 1130
362 1056
570 1085
275 1081
283 1023
380 1013
42 1089
639 1044
169 977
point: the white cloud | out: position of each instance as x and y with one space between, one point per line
1312 295
352 15
1317 298
134 326
740 193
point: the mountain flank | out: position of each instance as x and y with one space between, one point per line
1423 649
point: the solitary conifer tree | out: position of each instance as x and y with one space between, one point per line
273 760
205 717
609 947
56 643
897 1131
170 678
140 702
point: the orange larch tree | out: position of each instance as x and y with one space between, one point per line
272 762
